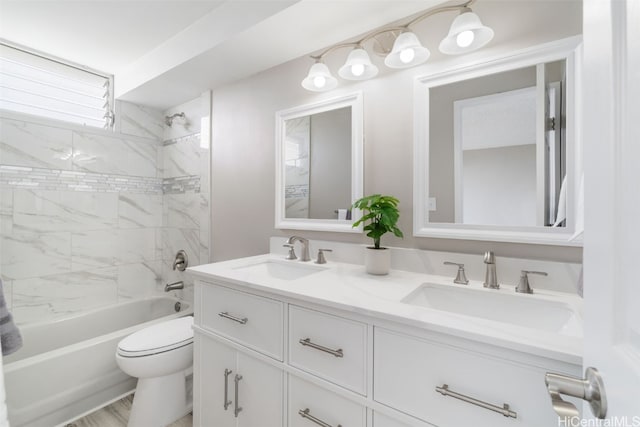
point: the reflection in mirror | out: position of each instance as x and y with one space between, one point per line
319 164
495 149
485 166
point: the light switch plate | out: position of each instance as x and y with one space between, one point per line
432 203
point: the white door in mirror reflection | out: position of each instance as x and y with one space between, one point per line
495 158
504 173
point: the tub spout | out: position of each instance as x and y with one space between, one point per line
173 286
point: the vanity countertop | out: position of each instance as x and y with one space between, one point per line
349 288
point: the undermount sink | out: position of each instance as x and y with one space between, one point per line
499 305
283 270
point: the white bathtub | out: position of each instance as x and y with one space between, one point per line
67 367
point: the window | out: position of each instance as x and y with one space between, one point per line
33 84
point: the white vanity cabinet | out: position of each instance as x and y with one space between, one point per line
234 389
304 364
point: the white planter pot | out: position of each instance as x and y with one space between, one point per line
377 261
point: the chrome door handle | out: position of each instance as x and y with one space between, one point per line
227 402
504 409
304 413
307 342
237 408
226 315
589 388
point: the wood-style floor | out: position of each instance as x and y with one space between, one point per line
117 414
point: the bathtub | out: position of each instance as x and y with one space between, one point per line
67 367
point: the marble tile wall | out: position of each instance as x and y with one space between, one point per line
91 217
80 214
140 121
185 206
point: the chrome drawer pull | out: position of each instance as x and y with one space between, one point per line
305 414
504 410
227 402
226 315
307 342
237 408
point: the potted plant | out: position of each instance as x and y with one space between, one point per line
380 215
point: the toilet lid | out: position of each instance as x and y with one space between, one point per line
158 338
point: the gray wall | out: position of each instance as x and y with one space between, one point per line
243 158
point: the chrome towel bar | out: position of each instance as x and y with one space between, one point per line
504 410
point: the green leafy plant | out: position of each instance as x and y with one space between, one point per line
382 215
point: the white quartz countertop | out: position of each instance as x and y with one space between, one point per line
349 288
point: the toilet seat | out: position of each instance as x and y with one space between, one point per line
159 338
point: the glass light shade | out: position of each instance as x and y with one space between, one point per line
319 78
407 52
465 35
358 66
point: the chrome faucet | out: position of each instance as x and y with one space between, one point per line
523 285
491 277
173 286
461 278
305 246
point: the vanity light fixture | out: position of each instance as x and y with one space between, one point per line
407 52
319 78
358 66
466 34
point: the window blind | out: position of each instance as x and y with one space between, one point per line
33 84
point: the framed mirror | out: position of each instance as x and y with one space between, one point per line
495 150
319 158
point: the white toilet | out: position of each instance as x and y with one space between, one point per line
160 356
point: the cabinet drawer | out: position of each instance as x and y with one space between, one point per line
322 405
250 320
328 346
407 371
380 420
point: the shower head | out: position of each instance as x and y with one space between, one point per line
168 120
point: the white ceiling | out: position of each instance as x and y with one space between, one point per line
164 53
104 35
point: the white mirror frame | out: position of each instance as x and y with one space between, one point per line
353 100
571 235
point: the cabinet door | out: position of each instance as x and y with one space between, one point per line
260 393
211 360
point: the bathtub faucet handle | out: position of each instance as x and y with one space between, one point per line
173 286
181 261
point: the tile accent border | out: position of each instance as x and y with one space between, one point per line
181 184
22 177
65 180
